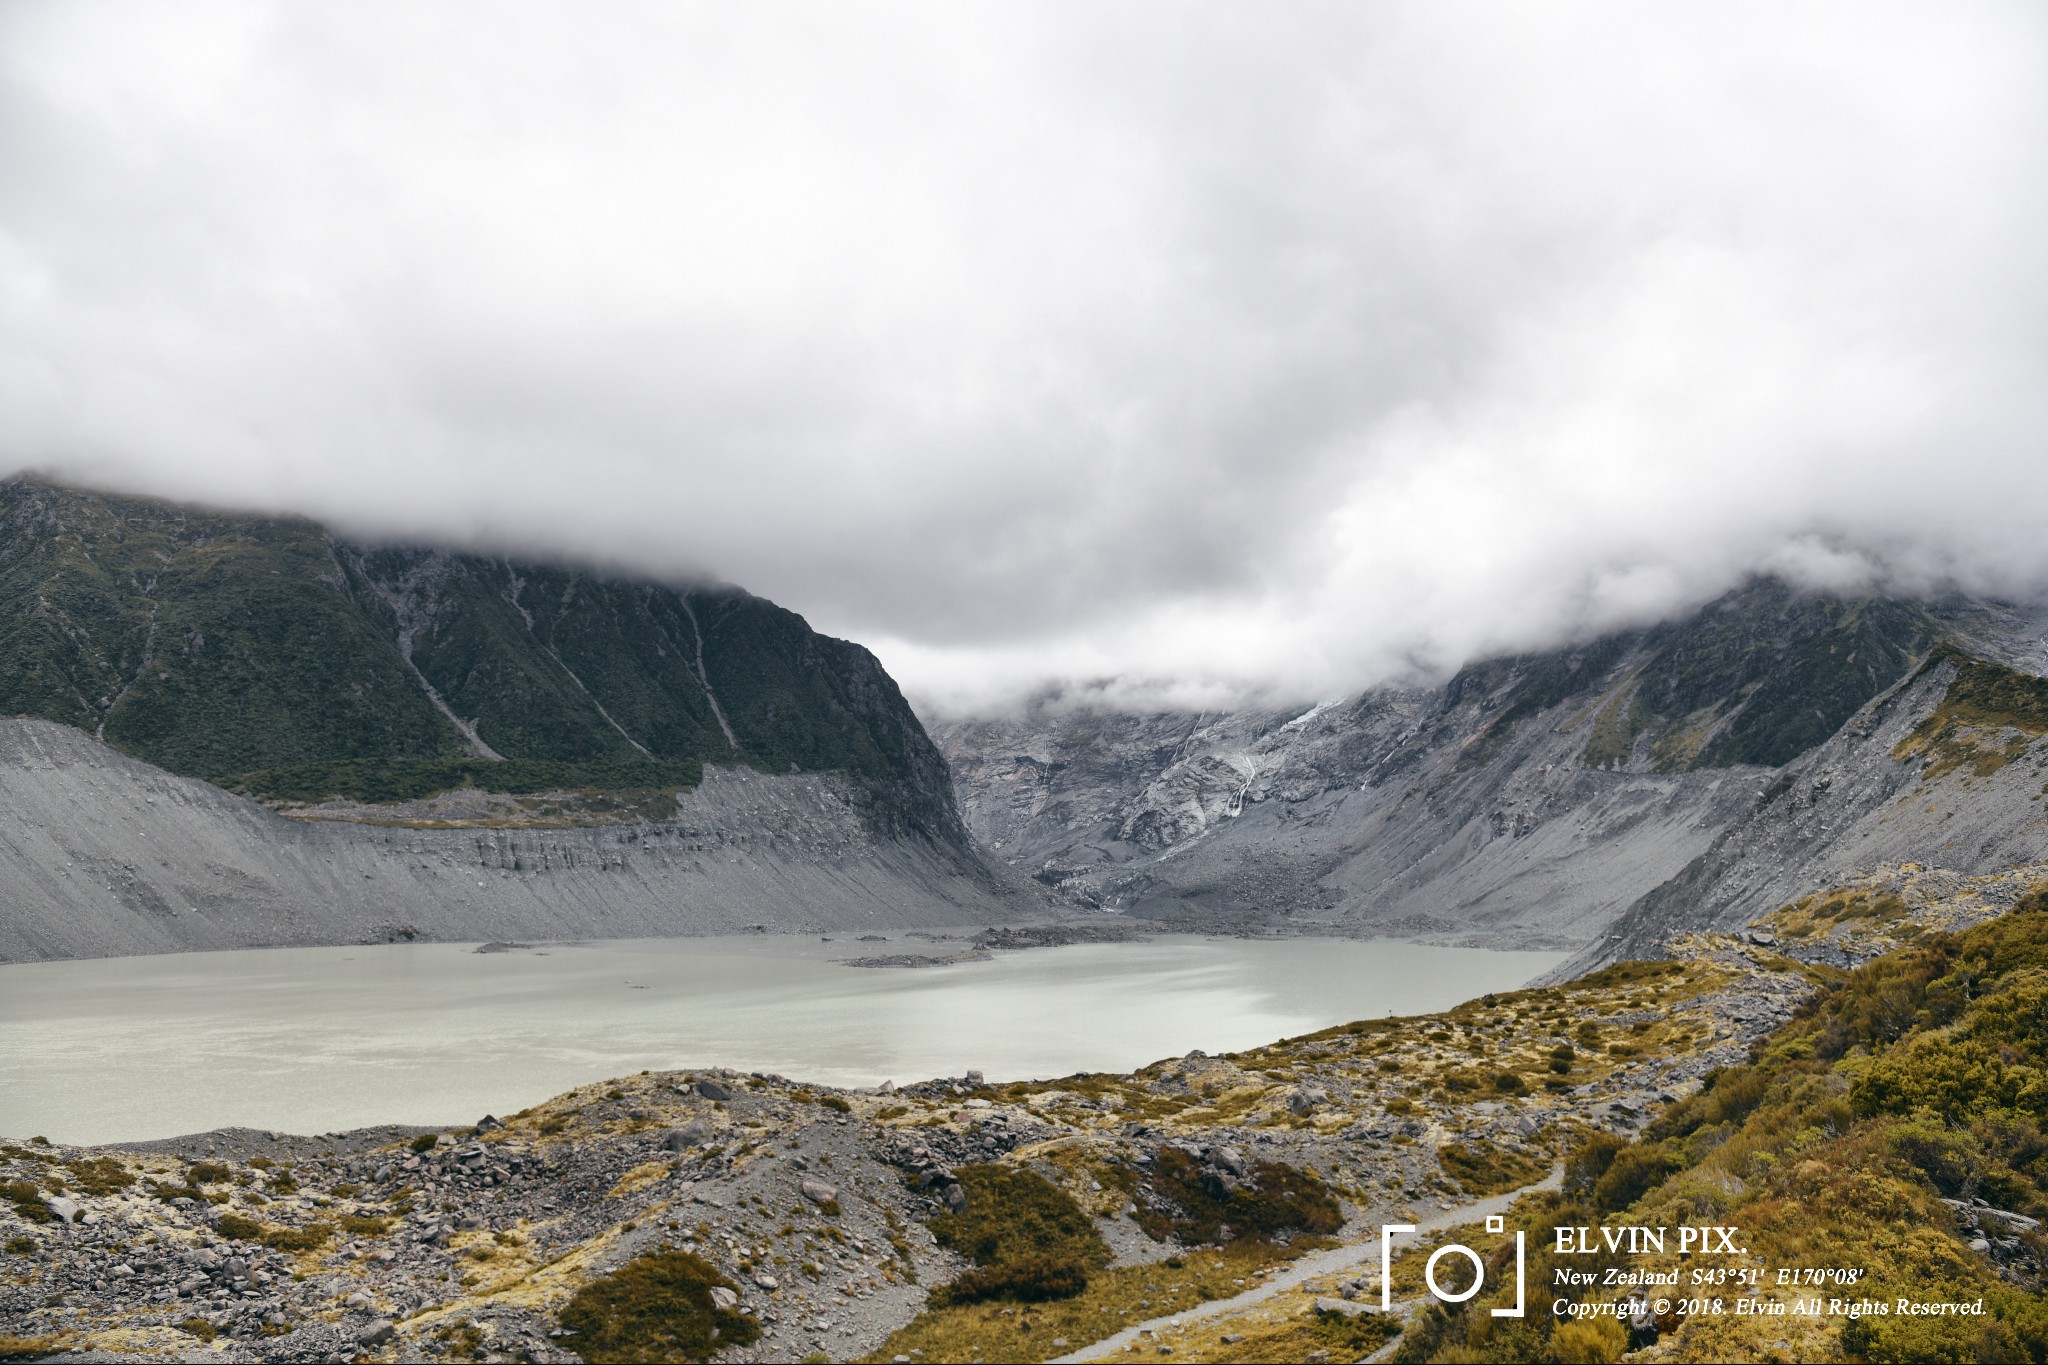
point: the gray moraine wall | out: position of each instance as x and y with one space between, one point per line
102 855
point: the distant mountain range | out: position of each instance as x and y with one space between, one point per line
268 655
1596 798
309 739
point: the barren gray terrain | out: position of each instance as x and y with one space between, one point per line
103 855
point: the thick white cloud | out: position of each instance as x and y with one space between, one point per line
1200 350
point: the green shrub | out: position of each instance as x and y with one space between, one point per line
1594 1341
1953 1161
656 1308
1277 1200
27 1201
425 1142
1013 1216
1034 1279
1584 1167
205 1173
99 1175
1480 1168
308 1238
1635 1170
236 1228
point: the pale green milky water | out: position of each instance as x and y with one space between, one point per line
312 1040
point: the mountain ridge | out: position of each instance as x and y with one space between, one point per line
1532 801
227 730
269 655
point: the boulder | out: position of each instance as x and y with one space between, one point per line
721 1297
66 1209
818 1192
376 1333
713 1090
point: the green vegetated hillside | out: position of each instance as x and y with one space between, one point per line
1920 1078
1758 677
265 654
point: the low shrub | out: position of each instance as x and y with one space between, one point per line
27 1201
1034 1279
1480 1168
99 1175
1013 1216
657 1307
1277 1201
1634 1172
236 1228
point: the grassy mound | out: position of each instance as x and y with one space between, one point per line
1278 1201
656 1308
1029 1241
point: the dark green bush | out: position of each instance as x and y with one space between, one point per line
236 1228
656 1308
1635 1170
1584 1167
1277 1200
27 1201
1013 1216
1034 1279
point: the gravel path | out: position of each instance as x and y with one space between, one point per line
1309 1267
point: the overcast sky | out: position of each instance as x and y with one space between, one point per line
1193 351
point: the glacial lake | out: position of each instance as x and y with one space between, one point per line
311 1040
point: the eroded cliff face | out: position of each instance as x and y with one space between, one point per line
102 855
1596 798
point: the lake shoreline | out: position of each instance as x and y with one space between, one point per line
333 1039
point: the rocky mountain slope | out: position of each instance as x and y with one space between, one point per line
1538 801
233 731
269 655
